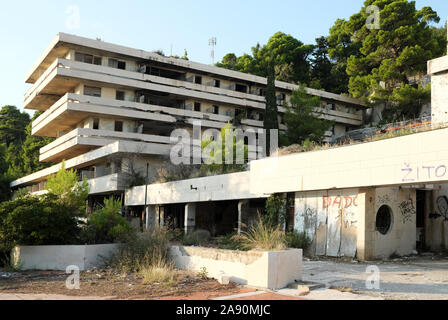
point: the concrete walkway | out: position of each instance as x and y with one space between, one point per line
414 279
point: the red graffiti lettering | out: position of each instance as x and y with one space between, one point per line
340 202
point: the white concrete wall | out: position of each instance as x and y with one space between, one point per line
60 257
402 236
330 220
272 270
419 158
215 188
436 219
438 69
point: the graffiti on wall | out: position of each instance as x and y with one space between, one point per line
384 199
310 217
407 210
425 172
442 207
340 202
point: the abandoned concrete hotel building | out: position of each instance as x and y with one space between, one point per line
105 103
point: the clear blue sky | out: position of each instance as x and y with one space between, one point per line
27 27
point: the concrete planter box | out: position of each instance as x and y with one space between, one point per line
60 257
272 270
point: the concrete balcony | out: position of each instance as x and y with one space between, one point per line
90 158
106 184
80 141
63 75
72 108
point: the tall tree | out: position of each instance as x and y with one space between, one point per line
289 54
388 63
12 125
4 176
301 119
321 72
271 111
31 149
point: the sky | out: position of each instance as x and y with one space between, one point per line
27 27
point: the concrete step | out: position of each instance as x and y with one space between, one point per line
305 286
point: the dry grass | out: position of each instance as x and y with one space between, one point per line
161 272
142 252
265 237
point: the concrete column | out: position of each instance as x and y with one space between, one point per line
159 217
190 217
366 224
150 218
243 213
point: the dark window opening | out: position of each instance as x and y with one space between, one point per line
216 109
92 91
198 80
117 64
241 88
384 219
197 107
119 95
96 124
87 58
217 84
119 126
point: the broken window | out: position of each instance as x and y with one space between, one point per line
96 124
119 95
87 58
197 107
113 63
241 88
119 126
384 219
92 91
198 79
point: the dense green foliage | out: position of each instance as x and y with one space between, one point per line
388 64
385 65
298 240
37 221
19 151
290 57
301 122
227 148
64 185
106 225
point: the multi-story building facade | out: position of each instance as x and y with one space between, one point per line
105 103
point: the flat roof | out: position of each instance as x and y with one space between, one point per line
58 47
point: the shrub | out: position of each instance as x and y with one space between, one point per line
264 236
276 210
37 221
107 225
142 251
196 238
230 242
298 240
65 186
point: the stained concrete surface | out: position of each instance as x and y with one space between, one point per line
414 278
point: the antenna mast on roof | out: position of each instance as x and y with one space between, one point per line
212 43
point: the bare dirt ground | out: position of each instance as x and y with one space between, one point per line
409 278
109 284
